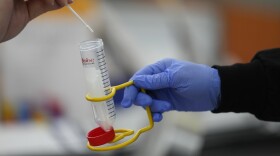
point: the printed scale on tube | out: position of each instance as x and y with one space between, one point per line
98 82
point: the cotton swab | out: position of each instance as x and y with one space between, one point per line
79 17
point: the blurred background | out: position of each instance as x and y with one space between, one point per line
42 84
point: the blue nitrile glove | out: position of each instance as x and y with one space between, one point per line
174 85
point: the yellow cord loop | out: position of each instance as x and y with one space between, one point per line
121 133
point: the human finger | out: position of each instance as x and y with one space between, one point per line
62 3
155 68
38 7
159 106
143 100
152 82
130 94
157 117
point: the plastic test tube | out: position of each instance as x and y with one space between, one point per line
98 82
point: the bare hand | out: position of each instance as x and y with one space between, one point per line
15 14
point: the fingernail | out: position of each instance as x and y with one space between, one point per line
70 1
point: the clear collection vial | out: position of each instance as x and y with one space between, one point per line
98 82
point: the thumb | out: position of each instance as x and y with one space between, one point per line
152 82
36 8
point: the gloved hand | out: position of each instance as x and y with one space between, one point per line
174 85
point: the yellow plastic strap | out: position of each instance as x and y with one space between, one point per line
121 133
109 96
